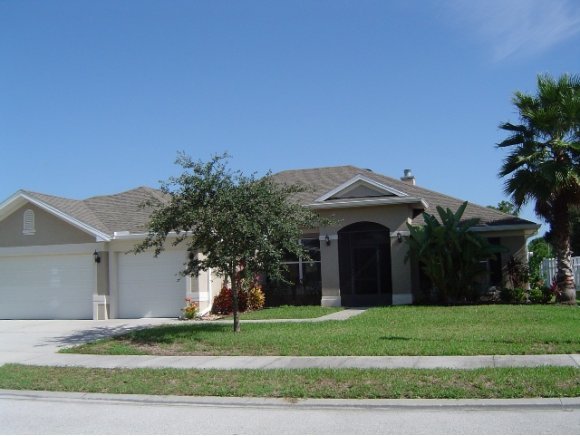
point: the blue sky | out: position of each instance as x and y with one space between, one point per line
97 97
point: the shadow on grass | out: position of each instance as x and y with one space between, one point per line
80 337
170 333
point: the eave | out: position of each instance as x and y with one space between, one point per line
367 202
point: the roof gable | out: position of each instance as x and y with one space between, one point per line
72 212
360 186
101 216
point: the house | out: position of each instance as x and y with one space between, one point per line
69 259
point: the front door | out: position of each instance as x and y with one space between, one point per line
365 265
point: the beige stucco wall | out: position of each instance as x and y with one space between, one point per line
50 230
394 217
516 246
103 274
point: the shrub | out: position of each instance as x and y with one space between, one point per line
513 295
536 296
190 309
250 297
517 272
223 303
256 298
541 295
449 253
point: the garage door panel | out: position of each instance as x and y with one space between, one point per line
46 287
150 286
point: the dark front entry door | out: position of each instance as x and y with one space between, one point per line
364 252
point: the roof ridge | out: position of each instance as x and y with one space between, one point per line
321 168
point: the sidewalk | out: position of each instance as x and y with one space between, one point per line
341 315
291 362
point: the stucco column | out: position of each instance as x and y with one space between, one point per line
329 270
113 284
199 289
400 270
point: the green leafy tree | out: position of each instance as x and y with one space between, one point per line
543 164
506 207
241 225
449 253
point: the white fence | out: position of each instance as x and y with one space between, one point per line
548 270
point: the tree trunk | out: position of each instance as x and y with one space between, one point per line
561 230
235 298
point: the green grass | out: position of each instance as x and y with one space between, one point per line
389 331
305 383
289 312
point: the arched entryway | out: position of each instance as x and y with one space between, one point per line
364 253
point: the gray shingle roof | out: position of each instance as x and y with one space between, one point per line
107 213
322 180
124 211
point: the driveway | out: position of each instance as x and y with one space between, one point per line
33 337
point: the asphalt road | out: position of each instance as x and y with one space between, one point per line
25 412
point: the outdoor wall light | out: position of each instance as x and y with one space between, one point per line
399 237
327 239
97 257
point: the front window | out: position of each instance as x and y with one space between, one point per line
304 277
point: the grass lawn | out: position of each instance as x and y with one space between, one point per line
388 331
311 383
289 312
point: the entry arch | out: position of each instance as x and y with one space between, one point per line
364 254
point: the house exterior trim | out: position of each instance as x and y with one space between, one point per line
356 179
337 204
502 228
41 250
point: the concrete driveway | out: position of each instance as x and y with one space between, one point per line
32 337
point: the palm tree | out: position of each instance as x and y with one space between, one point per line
544 163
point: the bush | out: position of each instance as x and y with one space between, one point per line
536 296
223 303
513 295
517 272
250 297
190 309
256 298
541 295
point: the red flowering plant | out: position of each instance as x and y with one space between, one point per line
250 296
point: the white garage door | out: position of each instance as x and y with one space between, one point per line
47 287
149 286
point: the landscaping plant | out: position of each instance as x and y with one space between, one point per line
190 310
544 164
449 253
229 222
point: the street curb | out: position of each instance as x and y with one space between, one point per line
308 403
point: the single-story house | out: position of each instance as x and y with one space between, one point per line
68 259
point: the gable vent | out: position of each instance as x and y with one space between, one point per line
28 227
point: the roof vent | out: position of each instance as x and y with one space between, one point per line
408 177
